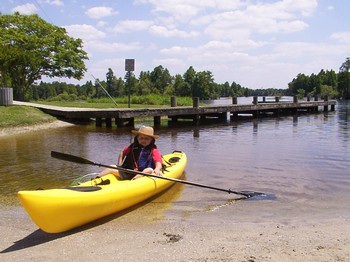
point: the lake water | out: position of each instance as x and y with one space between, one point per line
301 161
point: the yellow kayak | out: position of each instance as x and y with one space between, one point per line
59 210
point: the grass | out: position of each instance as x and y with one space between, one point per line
146 101
14 116
85 104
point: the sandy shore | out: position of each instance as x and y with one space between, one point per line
140 235
19 130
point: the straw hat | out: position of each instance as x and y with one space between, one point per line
146 131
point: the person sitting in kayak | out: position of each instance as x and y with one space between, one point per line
142 155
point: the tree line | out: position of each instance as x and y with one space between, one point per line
159 82
325 83
192 84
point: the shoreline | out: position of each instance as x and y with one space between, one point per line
9 131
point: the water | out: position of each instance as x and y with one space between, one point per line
302 161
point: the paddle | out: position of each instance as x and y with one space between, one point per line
80 160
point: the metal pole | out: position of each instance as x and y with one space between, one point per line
129 87
129 67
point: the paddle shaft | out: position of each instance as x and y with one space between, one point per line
81 160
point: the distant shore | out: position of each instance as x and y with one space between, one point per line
8 131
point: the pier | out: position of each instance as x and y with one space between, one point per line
126 116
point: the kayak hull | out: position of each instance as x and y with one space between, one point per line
59 210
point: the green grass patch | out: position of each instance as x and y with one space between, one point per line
13 116
146 101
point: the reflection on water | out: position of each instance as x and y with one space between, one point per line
303 160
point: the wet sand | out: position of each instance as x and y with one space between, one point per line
8 131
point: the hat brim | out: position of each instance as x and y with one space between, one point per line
136 132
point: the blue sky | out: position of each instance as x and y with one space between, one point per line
258 44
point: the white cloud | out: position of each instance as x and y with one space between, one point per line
85 32
262 19
170 63
106 47
166 32
132 25
229 19
272 26
304 7
100 12
342 37
26 9
102 23
176 50
55 2
303 51
284 9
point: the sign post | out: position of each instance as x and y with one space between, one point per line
129 67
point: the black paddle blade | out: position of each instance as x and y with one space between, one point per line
71 158
258 195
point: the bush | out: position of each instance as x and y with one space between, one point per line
63 97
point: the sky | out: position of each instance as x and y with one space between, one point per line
257 44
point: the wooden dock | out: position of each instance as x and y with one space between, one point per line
126 116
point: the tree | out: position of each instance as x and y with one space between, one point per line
225 89
204 86
189 77
160 78
181 88
115 87
344 79
301 82
236 89
110 82
31 48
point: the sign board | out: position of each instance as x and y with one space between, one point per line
129 65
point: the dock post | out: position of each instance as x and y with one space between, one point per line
99 121
255 100
196 118
195 101
316 107
295 99
325 107
156 121
173 101
277 99
131 121
234 100
108 122
119 122
173 118
223 116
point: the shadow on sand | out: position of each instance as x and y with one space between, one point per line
39 237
